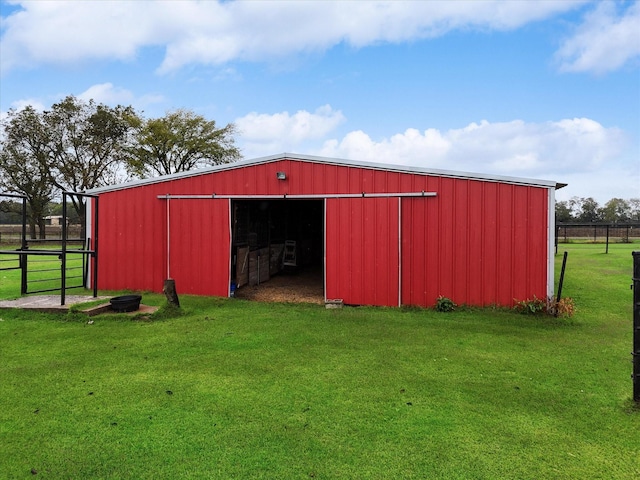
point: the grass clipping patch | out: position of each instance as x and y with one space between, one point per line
167 311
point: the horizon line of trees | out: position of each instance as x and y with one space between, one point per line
78 145
587 210
11 212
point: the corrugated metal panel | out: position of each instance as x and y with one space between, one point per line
200 246
477 243
362 251
132 241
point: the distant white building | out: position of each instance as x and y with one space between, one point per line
53 220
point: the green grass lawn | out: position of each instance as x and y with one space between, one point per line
233 389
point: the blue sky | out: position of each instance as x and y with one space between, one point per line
547 89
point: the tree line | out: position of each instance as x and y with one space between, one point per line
587 210
78 145
11 212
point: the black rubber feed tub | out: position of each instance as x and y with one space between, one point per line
126 303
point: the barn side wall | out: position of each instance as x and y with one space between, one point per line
477 242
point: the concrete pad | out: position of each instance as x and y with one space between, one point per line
48 303
51 304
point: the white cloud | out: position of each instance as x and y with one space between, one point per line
285 132
63 32
507 148
616 178
21 104
606 41
105 93
108 94
409 148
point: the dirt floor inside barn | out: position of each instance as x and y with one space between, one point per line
305 286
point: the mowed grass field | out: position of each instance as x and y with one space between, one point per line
233 389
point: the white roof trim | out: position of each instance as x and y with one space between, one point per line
329 161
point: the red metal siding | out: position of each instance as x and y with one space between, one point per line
477 242
200 246
133 241
362 251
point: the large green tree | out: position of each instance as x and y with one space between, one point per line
178 142
585 209
24 163
10 212
88 145
563 212
616 210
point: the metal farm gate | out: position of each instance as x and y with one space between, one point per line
54 265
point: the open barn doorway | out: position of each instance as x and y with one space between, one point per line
278 249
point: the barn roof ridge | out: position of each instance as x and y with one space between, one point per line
330 161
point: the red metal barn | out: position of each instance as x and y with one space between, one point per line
382 234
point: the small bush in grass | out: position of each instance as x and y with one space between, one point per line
444 304
529 306
565 307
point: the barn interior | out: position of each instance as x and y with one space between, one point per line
278 249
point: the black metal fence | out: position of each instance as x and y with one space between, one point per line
597 232
12 234
604 233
